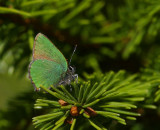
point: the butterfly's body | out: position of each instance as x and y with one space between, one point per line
49 66
70 75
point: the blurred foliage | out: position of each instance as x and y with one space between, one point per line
114 29
111 35
19 115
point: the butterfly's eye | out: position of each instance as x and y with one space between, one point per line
72 69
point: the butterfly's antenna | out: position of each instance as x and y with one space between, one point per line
72 54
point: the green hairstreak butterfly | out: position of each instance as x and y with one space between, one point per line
49 66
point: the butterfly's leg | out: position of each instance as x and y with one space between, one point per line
75 76
62 82
70 87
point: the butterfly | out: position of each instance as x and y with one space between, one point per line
49 66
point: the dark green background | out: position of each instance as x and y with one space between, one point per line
111 35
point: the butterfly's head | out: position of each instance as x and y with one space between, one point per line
71 70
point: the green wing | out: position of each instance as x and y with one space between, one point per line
48 65
44 49
46 73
